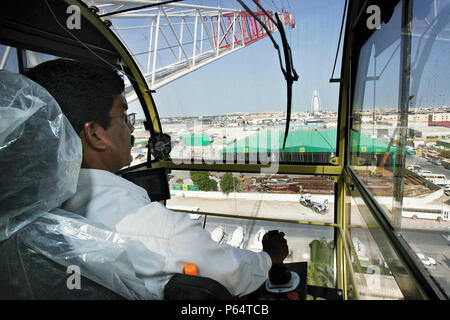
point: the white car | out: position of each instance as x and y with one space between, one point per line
218 234
237 238
447 189
256 244
414 167
195 216
427 261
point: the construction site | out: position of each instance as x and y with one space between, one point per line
383 185
288 184
414 185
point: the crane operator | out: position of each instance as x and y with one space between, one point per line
92 98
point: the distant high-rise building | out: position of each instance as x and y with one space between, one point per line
315 102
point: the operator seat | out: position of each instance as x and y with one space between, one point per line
44 249
189 287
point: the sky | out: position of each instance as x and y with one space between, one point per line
250 79
430 75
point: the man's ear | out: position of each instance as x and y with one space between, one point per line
92 133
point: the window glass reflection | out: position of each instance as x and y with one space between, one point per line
403 157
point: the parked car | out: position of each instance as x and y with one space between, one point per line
237 238
427 261
436 162
447 190
422 172
414 167
256 244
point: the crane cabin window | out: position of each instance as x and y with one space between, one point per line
10 61
218 86
221 96
8 58
239 208
400 127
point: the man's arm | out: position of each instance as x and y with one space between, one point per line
180 240
240 271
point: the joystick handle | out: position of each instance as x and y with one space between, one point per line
279 274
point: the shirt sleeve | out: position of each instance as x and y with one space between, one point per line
240 271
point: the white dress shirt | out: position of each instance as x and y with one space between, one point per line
173 238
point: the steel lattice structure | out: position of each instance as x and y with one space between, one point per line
179 38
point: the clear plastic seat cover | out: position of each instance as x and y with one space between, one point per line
40 160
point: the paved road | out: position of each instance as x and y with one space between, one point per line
412 159
434 245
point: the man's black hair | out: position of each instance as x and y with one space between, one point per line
85 92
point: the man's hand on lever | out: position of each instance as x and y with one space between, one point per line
275 245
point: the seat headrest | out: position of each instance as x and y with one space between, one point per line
40 153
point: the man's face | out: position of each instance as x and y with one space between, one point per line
119 135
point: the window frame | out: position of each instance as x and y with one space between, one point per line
420 279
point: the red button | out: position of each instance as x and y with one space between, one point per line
293 295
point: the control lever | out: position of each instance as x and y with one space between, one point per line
280 278
279 274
